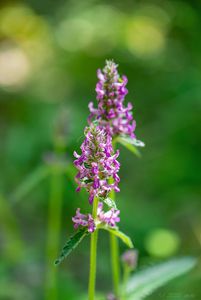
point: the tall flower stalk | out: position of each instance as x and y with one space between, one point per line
117 119
98 169
97 173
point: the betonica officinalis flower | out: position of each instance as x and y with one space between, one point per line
98 169
85 220
116 119
97 164
110 218
111 112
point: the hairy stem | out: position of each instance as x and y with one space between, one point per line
114 250
93 254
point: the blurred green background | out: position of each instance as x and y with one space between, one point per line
49 54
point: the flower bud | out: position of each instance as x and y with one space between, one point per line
130 258
111 297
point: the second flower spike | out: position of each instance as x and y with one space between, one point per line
111 113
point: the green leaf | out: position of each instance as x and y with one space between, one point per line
110 202
131 144
71 244
145 282
120 235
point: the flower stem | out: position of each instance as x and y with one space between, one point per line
53 234
14 245
93 252
126 274
114 248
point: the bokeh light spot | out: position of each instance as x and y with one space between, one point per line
95 30
144 37
18 21
74 34
162 243
14 66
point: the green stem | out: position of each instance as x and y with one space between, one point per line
93 254
53 232
114 250
126 274
14 245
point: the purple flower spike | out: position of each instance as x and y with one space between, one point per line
111 113
97 164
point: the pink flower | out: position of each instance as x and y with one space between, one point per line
111 217
84 221
111 112
97 164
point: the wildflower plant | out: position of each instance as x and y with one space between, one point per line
97 165
116 118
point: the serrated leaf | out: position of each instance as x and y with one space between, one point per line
110 202
131 144
71 244
145 282
120 235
